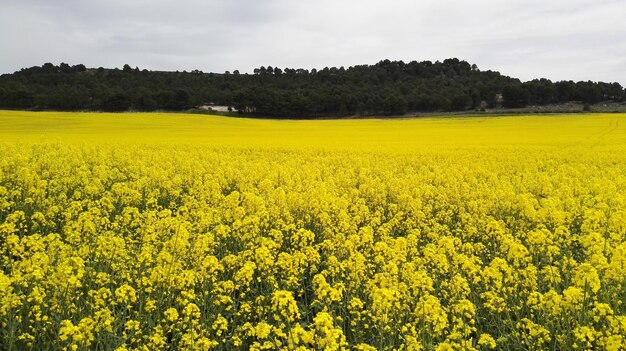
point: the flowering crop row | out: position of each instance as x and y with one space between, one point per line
188 247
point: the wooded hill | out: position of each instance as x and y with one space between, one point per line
385 88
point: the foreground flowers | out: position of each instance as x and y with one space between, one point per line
155 247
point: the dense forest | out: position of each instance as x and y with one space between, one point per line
385 88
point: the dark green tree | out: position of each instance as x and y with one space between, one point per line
515 96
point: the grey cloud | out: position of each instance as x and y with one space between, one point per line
576 39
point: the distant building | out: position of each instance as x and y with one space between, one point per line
217 108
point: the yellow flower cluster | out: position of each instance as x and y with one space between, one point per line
190 247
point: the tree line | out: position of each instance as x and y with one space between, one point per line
385 88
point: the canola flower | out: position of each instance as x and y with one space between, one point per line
377 241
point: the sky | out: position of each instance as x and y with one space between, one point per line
527 39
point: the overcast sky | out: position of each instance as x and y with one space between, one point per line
557 39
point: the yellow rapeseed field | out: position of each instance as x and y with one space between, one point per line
194 232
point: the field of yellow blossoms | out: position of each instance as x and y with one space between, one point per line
190 232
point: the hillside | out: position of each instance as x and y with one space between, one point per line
385 88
